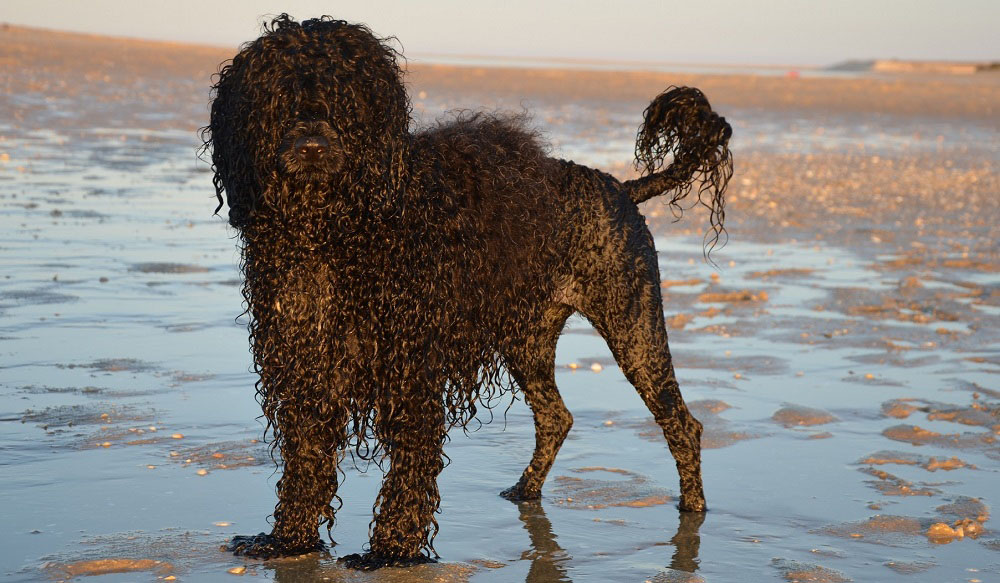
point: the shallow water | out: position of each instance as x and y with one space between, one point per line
128 426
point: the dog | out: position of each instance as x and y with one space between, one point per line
397 281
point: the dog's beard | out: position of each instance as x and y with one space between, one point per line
318 212
301 207
324 170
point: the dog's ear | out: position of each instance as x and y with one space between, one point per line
227 183
238 207
213 151
232 170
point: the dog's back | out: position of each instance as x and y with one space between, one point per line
491 211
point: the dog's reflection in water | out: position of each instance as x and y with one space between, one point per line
548 559
550 562
686 542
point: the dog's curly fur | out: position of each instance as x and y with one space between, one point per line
396 281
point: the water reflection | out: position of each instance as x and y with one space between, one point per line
686 542
312 567
549 561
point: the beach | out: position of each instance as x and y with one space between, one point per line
841 349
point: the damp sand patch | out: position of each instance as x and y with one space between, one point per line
891 485
798 572
109 365
669 283
90 568
909 567
228 455
733 297
979 413
681 320
88 391
164 267
676 577
717 431
929 463
67 416
780 273
171 552
745 365
963 518
882 529
916 435
887 306
920 258
137 366
791 416
34 298
186 327
899 408
179 377
627 489
98 425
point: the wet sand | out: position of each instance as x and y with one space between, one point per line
843 355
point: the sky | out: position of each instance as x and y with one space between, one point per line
736 32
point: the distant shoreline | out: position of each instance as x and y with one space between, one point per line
69 65
841 68
916 66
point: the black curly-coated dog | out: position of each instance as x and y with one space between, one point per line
396 280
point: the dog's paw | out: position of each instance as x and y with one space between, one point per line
692 504
373 561
266 546
519 493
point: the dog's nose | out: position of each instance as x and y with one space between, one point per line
311 148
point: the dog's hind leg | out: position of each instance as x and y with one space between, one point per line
310 450
623 303
533 367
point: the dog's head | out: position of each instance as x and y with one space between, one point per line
315 109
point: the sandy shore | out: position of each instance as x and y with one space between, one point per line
72 64
843 357
930 180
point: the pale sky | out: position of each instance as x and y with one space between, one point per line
763 32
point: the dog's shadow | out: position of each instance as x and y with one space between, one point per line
549 562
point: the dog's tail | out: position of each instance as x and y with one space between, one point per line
680 122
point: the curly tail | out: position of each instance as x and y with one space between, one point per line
680 122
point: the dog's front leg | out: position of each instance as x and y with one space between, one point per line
404 527
310 450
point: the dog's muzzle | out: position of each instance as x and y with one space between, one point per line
311 150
